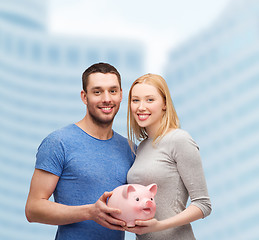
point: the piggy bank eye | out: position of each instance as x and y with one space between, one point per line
152 199
137 199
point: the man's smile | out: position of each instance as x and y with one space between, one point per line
106 109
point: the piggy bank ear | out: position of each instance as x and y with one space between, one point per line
127 189
152 188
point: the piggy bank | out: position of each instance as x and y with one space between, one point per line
135 201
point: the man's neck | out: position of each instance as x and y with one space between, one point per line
102 132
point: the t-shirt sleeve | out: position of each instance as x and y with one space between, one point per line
50 156
187 156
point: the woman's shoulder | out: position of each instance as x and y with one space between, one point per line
177 133
180 137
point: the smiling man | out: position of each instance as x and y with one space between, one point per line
80 162
102 95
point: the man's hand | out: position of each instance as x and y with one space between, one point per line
101 214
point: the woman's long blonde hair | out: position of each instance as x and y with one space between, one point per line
169 119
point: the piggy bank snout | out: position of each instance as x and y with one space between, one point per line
149 204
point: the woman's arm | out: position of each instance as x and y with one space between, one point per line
190 214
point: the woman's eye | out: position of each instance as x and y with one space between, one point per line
135 100
150 100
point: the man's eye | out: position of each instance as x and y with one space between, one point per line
97 92
113 91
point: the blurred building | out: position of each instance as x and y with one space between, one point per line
214 79
40 84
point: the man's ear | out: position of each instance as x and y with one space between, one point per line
121 94
84 97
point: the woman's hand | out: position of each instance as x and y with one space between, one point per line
146 226
190 214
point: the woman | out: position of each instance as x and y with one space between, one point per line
167 156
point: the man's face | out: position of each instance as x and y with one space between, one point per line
103 97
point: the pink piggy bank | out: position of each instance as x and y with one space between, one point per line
135 201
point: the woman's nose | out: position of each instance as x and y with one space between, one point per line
141 106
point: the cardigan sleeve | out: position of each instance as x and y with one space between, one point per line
187 157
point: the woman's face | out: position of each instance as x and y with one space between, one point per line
147 107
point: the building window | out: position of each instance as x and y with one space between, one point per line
8 44
21 48
73 56
53 54
36 51
113 58
92 56
133 60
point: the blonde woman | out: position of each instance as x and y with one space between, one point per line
167 156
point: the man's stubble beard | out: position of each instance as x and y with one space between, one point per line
102 122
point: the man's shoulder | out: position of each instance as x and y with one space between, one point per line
121 140
61 133
119 137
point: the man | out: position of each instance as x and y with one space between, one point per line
82 161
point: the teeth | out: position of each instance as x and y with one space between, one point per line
142 116
107 108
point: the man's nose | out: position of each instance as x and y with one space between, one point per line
106 96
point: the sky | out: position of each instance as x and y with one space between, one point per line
161 25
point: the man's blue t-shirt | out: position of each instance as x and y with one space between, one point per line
87 167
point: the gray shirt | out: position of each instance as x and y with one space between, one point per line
174 164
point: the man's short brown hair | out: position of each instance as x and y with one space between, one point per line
99 68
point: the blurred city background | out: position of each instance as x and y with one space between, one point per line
208 52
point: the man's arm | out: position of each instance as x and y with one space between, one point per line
40 209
